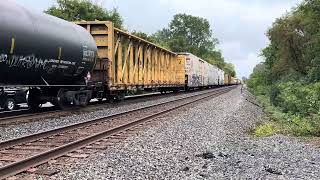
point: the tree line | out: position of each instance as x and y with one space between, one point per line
185 33
288 80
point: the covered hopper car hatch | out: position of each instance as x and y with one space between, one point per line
49 55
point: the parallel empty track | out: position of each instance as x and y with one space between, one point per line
24 116
18 155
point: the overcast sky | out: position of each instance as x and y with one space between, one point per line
240 25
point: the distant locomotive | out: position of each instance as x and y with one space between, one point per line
68 64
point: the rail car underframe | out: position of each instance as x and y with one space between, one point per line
101 91
62 96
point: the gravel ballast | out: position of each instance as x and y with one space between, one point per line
209 141
19 130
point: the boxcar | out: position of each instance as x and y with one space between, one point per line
212 75
196 70
199 73
126 62
221 77
216 76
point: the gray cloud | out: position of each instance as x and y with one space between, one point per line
240 25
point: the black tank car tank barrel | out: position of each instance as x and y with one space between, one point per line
38 49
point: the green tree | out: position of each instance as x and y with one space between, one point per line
309 10
288 39
162 38
288 82
77 10
258 79
143 35
229 69
188 33
215 57
156 38
191 34
295 40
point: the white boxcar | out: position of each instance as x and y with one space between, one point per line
215 75
196 70
199 73
204 73
212 75
220 77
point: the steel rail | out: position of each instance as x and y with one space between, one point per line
41 158
33 137
50 111
27 116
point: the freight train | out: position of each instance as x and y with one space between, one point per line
68 64
200 74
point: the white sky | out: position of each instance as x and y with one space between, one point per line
240 25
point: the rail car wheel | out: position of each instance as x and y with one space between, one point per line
120 96
33 99
10 104
110 99
83 100
61 100
162 91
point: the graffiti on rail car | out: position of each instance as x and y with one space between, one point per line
32 62
195 80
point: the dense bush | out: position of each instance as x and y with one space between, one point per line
288 82
300 99
286 123
292 106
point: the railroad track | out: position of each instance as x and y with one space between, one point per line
24 116
11 113
27 117
18 155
